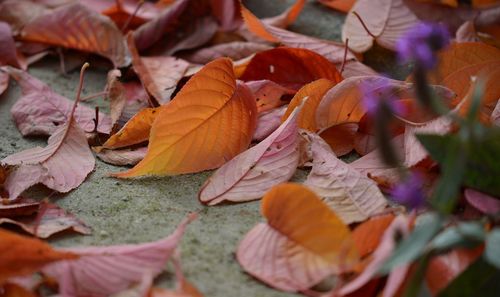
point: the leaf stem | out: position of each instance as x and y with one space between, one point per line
127 23
363 24
345 56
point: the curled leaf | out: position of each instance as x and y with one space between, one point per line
9 54
129 156
268 122
76 26
252 173
268 94
302 242
187 136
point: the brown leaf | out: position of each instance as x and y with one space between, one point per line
235 50
77 27
9 55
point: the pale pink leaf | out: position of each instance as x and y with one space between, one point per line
482 202
279 262
399 226
356 68
116 95
53 220
467 33
268 94
268 122
387 20
41 111
18 13
78 27
375 168
350 194
414 151
4 81
235 50
9 55
200 31
102 271
252 173
227 13
129 156
62 165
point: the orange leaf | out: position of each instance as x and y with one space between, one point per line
277 65
76 26
135 131
302 242
20 255
367 236
256 26
211 120
340 138
312 93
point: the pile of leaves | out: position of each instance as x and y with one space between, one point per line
196 85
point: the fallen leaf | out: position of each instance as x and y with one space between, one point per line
77 27
101 271
18 13
368 235
252 173
275 65
41 111
4 81
53 220
332 51
235 50
9 54
387 21
159 75
467 33
340 5
116 95
127 12
15 290
356 68
350 194
267 122
135 131
340 138
23 255
21 207
311 94
62 165
128 156
136 99
398 227
495 114
343 103
227 13
482 202
268 94
443 269
302 242
187 136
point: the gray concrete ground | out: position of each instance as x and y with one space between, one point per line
134 211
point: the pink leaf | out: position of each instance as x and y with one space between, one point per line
235 50
467 33
482 202
268 122
350 194
268 94
414 151
22 207
9 54
250 174
387 245
4 81
227 13
356 68
130 156
41 111
53 220
495 115
387 20
101 271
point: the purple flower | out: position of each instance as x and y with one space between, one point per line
421 42
409 193
379 91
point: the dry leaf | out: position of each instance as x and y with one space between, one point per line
311 94
135 131
53 220
268 122
252 173
101 271
4 81
275 65
302 242
368 235
23 255
77 27
41 111
268 94
235 50
9 55
387 20
350 194
159 75
21 207
18 13
482 202
340 5
227 13
128 156
340 138
187 136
